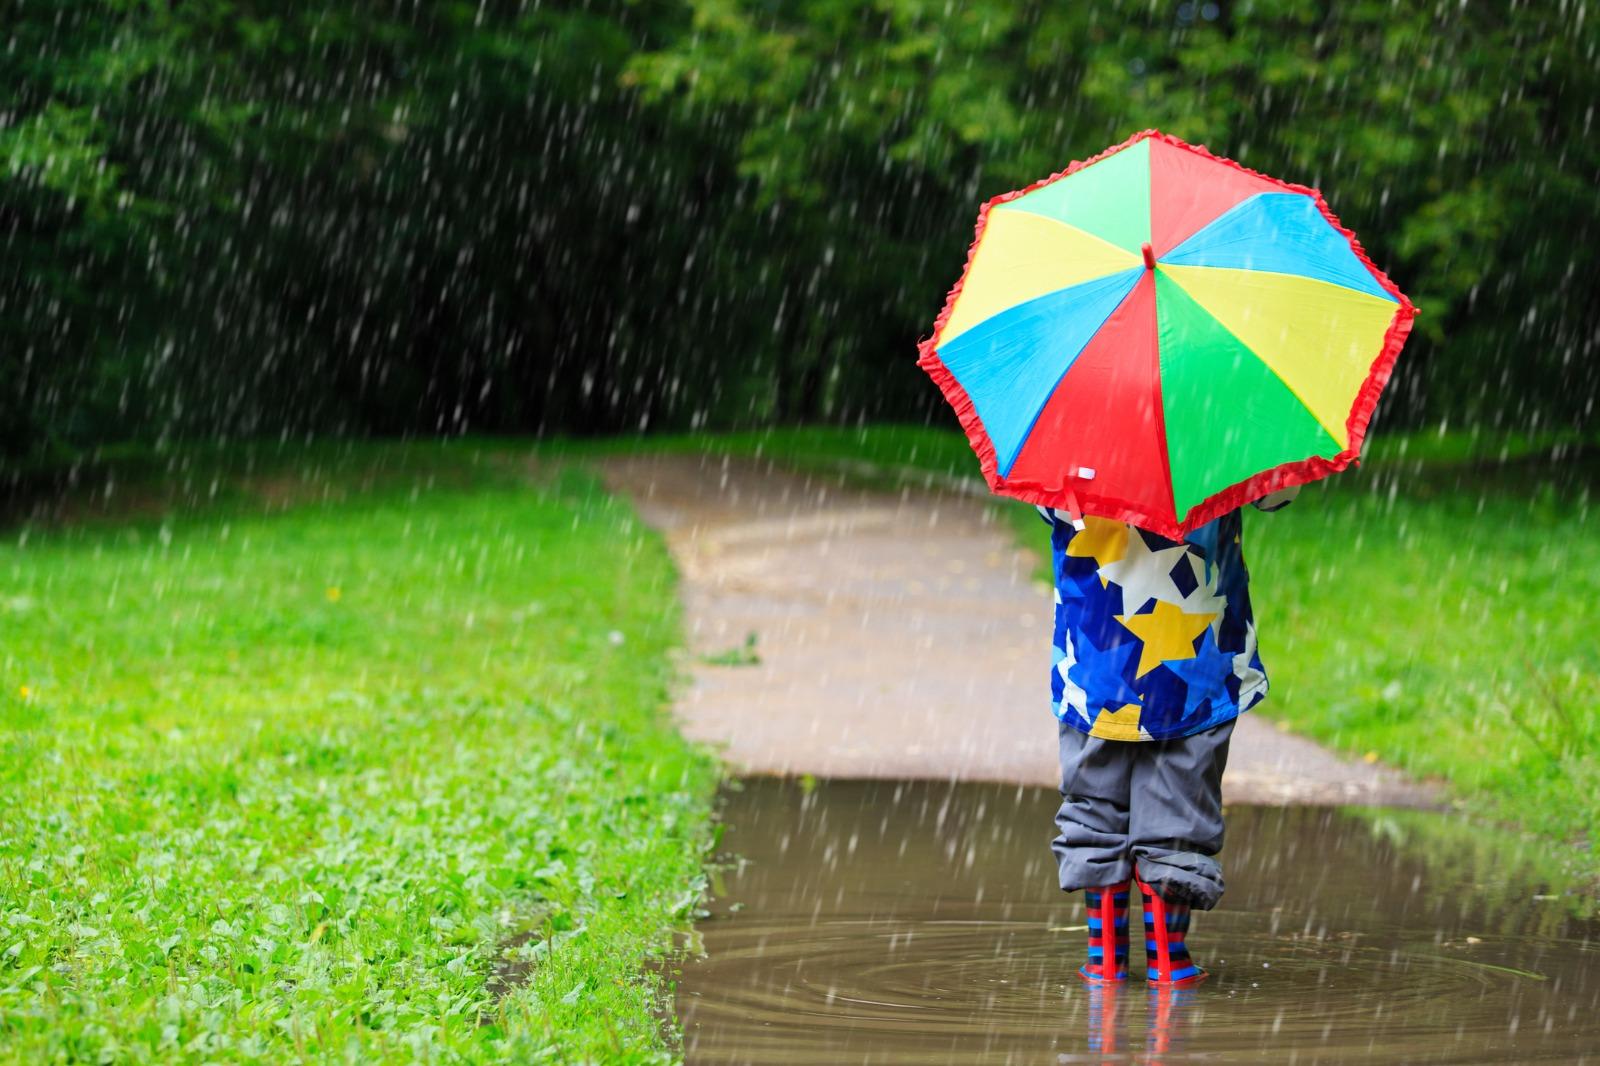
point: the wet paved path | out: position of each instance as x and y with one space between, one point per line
899 636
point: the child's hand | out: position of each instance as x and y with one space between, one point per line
1272 501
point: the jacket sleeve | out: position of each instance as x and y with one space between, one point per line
1276 501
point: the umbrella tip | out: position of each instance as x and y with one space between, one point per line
1149 256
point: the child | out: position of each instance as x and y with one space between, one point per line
1155 656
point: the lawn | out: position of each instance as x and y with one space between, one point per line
1432 608
1444 620
341 754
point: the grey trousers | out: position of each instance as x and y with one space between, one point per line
1157 803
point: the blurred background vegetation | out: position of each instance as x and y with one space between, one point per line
241 218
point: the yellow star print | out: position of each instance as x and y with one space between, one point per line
1100 539
1120 724
1167 633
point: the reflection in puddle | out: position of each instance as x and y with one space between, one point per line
890 922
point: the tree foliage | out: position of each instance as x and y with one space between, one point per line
241 217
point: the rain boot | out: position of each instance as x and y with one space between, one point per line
1166 926
1108 934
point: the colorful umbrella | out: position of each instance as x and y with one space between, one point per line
1160 335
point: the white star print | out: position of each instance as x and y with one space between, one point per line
1251 680
1204 599
1145 574
1072 694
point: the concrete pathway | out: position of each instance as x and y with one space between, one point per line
898 636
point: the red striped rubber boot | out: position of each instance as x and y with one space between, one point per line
1166 926
1108 934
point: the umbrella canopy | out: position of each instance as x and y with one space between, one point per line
1160 335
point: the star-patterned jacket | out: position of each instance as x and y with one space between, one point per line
1153 638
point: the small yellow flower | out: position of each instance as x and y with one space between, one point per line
333 593
25 692
1370 757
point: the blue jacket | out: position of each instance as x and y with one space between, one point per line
1153 638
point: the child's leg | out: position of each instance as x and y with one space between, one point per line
1176 830
1166 942
1091 849
1175 823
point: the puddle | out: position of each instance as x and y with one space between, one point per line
884 922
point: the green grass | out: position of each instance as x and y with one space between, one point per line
1434 607
360 757
1449 628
